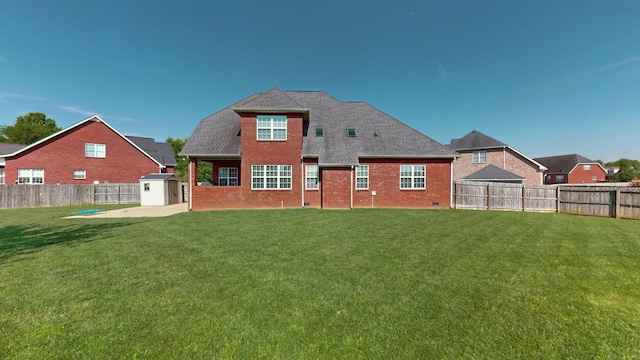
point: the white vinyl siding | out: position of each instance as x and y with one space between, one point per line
272 127
271 177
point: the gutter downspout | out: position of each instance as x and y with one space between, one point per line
302 177
351 186
451 186
190 184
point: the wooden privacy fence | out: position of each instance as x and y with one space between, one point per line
609 201
25 196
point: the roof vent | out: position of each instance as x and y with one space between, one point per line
319 132
351 132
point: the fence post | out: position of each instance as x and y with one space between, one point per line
558 198
489 196
524 197
618 195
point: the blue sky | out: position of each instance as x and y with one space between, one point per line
546 77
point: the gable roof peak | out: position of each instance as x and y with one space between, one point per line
274 100
475 140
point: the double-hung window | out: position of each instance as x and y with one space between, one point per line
272 127
586 167
95 150
228 176
30 176
479 157
311 177
413 177
362 177
271 177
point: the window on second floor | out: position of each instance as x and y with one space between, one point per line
479 157
95 150
586 167
559 178
272 127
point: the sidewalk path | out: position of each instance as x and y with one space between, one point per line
138 211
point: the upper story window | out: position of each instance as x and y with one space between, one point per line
479 157
559 178
272 127
30 176
95 150
586 167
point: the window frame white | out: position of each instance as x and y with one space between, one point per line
479 157
362 174
81 174
586 167
93 150
265 172
270 127
413 176
312 173
30 175
226 174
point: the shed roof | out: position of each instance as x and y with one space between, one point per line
492 172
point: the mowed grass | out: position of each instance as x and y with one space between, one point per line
311 284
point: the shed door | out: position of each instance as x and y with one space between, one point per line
174 189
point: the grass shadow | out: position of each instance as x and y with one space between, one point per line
23 239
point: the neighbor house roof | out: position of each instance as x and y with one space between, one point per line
10 148
95 118
162 152
377 134
565 163
493 173
475 140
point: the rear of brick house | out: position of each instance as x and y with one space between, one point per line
291 149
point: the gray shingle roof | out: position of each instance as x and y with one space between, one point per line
162 176
378 134
563 163
161 152
475 140
6 149
492 172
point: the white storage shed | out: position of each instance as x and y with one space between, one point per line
159 189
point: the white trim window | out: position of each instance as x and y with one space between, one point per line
79 174
413 177
271 177
479 157
272 127
586 167
362 177
228 176
31 176
1 175
311 177
95 150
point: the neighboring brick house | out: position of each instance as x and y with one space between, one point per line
487 159
307 149
572 169
87 152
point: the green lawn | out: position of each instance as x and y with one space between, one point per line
311 284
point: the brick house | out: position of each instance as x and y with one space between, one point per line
572 169
87 152
484 158
307 149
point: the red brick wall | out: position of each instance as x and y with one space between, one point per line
384 179
336 188
61 155
581 176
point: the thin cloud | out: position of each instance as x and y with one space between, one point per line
443 74
614 65
20 96
77 110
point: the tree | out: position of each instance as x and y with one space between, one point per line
28 129
205 169
628 170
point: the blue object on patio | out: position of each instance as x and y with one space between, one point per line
87 212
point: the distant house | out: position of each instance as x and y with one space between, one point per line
487 159
308 149
87 152
572 169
